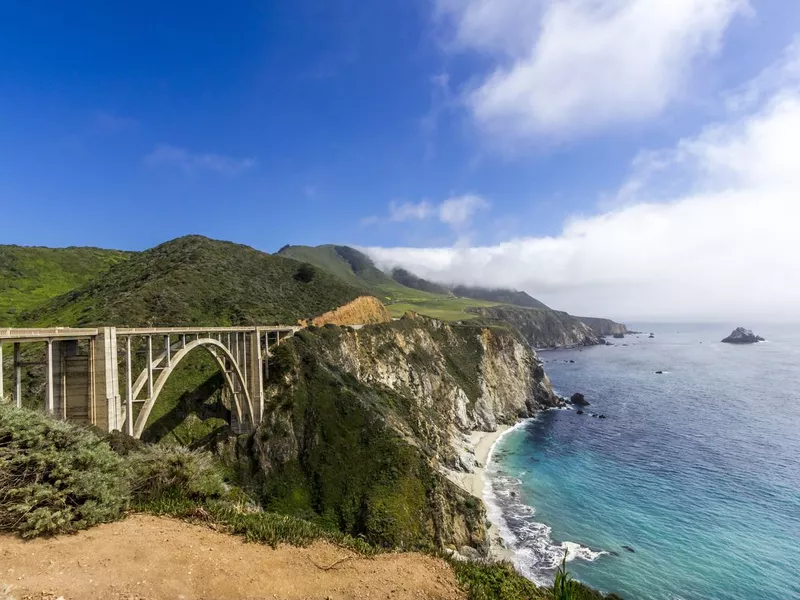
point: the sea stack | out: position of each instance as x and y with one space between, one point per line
578 399
740 335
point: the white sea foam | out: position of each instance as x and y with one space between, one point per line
534 552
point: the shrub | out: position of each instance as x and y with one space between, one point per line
158 472
305 273
564 587
55 477
495 581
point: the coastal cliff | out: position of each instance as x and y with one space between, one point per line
363 425
604 327
541 328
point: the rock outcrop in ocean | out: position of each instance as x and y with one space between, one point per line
740 335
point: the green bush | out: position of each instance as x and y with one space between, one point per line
157 472
495 581
55 477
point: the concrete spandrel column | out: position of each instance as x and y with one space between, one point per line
256 376
149 366
128 388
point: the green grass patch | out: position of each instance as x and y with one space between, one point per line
444 308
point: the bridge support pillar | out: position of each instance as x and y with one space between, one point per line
106 378
17 376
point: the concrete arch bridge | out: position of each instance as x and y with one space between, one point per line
82 369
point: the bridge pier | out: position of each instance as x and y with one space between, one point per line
17 376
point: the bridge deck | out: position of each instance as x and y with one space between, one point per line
8 335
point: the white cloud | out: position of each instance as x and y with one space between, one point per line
458 211
455 213
568 67
724 248
408 211
165 155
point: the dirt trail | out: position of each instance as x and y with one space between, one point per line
149 558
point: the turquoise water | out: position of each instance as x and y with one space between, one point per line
697 470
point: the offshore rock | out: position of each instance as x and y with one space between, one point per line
740 335
578 399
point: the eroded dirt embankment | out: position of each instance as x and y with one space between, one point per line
149 558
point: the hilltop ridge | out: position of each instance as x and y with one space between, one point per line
30 275
194 280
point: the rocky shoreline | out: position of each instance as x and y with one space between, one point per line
479 445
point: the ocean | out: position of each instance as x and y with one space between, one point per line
688 489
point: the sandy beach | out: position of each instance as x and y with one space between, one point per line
474 482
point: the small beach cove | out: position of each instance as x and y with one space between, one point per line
687 490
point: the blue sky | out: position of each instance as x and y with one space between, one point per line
421 128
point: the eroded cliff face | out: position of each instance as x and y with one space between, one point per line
460 378
362 424
541 328
604 326
361 311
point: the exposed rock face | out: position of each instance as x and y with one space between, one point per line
740 335
542 328
361 311
361 425
462 378
604 326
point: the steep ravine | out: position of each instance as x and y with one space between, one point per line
363 424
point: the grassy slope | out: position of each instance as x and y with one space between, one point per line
397 297
196 281
30 276
503 296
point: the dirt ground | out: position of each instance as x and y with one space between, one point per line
149 558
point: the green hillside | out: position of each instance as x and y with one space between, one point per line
349 265
30 276
356 268
500 295
408 279
194 280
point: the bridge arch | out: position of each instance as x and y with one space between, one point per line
234 379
